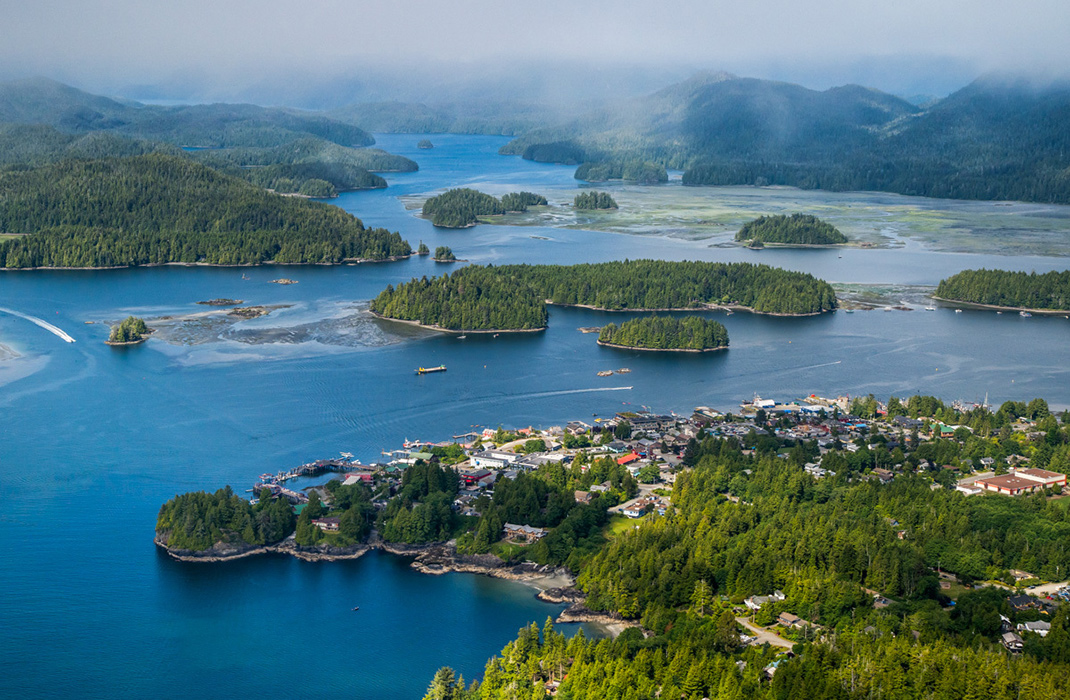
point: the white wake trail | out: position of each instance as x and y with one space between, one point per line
42 323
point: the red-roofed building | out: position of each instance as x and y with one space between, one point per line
627 459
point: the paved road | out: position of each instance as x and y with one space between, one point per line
765 636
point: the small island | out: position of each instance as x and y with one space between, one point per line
247 312
666 334
130 331
462 207
1011 290
794 230
594 200
425 144
443 254
423 249
222 302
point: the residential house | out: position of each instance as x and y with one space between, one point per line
523 533
755 602
1012 642
327 524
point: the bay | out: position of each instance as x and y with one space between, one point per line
95 439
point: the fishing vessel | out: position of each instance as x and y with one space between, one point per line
1025 314
429 370
605 373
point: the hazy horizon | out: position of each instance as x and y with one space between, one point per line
334 53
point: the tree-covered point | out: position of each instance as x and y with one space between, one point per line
512 296
130 330
462 207
594 200
159 209
472 298
444 254
666 333
797 229
1027 290
421 512
305 151
198 520
640 171
311 179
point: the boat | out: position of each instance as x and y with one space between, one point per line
605 373
930 308
356 607
429 370
999 313
1025 314
461 337
958 311
623 370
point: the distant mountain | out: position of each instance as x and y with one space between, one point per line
994 139
41 101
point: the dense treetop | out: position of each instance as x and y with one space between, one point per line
632 170
156 209
462 207
1050 290
797 229
512 296
666 333
130 330
594 200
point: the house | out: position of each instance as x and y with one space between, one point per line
1038 627
884 475
786 619
755 602
1012 642
523 533
1022 602
616 446
357 479
326 524
473 478
627 459
493 459
582 496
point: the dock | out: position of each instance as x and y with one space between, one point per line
429 370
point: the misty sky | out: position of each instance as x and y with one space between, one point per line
237 42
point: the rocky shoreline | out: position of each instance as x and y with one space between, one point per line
434 559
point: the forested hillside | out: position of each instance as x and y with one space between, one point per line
994 139
155 209
1027 290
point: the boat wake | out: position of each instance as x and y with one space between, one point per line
564 392
42 323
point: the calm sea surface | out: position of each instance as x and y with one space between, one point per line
93 440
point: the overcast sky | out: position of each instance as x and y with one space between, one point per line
234 43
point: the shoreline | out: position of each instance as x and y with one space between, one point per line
347 261
995 307
451 330
704 307
632 347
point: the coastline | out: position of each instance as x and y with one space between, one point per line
632 347
994 307
704 307
347 261
451 330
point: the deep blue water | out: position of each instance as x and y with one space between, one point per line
95 439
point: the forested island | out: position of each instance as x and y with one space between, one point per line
643 172
1049 291
424 144
666 333
594 200
513 297
156 209
443 253
131 331
797 229
470 299
462 207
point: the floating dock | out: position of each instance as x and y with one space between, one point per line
430 370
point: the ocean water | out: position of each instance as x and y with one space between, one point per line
93 440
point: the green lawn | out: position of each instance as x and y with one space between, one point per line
618 524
